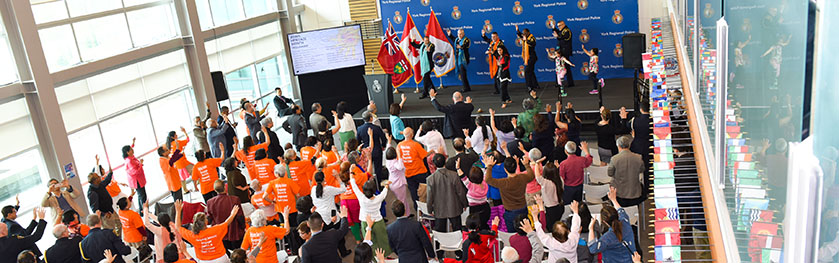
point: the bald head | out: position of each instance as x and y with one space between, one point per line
457 96
409 133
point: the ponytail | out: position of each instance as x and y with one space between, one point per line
617 227
319 181
610 216
474 237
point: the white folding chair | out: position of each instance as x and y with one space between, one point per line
593 194
447 241
505 238
565 213
423 211
632 212
598 175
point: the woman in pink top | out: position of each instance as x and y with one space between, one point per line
476 193
162 234
136 175
533 187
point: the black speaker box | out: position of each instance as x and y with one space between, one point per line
219 86
633 46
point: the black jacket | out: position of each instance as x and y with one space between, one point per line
282 103
641 142
465 47
253 125
93 246
65 250
16 229
531 42
321 247
467 159
229 134
430 56
458 117
563 41
11 245
296 126
410 242
99 198
275 150
379 138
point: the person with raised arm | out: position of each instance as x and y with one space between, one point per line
461 55
206 239
618 243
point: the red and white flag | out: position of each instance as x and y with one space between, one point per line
443 52
392 60
410 34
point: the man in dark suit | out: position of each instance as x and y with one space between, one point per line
408 238
66 248
229 134
465 155
275 150
282 103
640 126
379 140
12 245
458 114
9 216
296 126
322 245
93 245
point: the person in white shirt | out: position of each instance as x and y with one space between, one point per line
482 132
370 205
345 122
431 138
323 197
562 241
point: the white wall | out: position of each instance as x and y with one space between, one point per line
648 9
324 13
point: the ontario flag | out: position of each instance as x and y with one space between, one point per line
410 34
443 56
392 60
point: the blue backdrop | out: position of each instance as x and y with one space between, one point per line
595 23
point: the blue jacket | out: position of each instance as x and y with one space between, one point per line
614 250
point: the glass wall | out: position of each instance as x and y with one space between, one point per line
214 13
825 143
21 163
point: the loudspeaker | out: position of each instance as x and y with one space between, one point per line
379 91
633 46
219 86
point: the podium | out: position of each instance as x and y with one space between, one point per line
380 91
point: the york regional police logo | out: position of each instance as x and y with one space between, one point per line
617 18
584 37
455 13
747 25
582 4
584 68
425 2
550 23
708 12
397 17
521 72
517 8
487 26
618 51
440 58
518 42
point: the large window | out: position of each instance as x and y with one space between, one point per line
8 70
214 13
21 163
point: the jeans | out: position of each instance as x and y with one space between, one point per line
440 224
141 197
464 79
413 185
510 218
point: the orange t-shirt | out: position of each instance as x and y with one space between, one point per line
307 153
412 155
284 192
183 162
268 249
131 221
248 158
206 174
329 175
207 243
113 188
331 157
360 178
170 173
264 170
302 173
83 229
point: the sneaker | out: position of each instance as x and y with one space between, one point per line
563 94
593 92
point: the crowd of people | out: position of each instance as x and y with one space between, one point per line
264 201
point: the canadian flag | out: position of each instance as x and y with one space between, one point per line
410 34
443 52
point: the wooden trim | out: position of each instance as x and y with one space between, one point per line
711 216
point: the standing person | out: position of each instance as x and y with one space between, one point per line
396 124
163 234
396 172
502 75
207 239
321 245
296 126
170 173
349 199
572 171
492 56
221 207
413 156
371 108
426 50
174 144
525 241
200 130
59 198
11 244
593 69
562 241
316 119
274 150
640 126
618 243
323 196
531 106
476 192
446 196
283 193
372 136
136 174
503 132
543 135
528 55
408 238
229 132
216 135
99 240
263 167
552 190
252 117
65 249
248 152
370 208
133 229
480 135
606 130
464 154
431 138
564 41
100 201
260 229
512 188
205 173
282 103
571 124
237 184
479 241
461 54
458 114
346 124
624 170
562 68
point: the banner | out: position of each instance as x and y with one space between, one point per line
410 34
392 60
595 23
